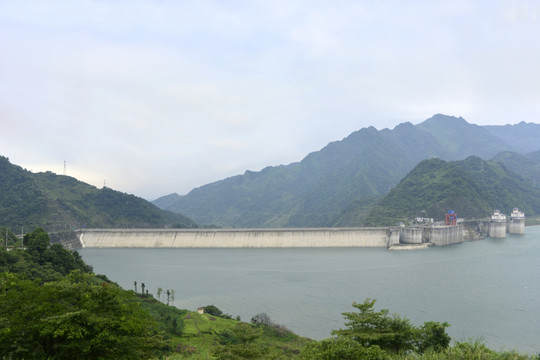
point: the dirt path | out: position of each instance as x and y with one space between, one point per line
194 318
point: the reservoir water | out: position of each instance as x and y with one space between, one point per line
487 289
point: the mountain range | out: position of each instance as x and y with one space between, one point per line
371 177
342 183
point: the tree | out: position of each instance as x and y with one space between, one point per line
37 242
341 349
369 327
168 296
214 310
261 319
142 287
246 333
432 336
63 260
159 291
77 317
239 343
12 239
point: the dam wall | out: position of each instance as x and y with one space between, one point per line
395 235
497 229
237 238
444 235
412 235
438 235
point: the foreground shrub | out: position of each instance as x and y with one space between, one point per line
390 332
472 349
341 349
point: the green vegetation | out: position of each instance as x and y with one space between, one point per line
473 349
211 337
53 307
471 187
527 166
75 317
523 136
7 237
215 311
62 203
377 335
391 332
41 262
534 220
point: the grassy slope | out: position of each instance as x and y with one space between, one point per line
200 337
201 331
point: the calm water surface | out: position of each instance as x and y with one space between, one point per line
488 288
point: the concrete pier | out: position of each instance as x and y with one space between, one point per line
517 222
443 235
497 230
412 235
497 227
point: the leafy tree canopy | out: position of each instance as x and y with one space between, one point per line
76 317
391 332
341 348
215 311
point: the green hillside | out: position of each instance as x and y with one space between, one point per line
523 136
527 166
471 187
58 202
321 189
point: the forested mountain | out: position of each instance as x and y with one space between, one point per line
524 137
354 172
527 166
57 202
472 187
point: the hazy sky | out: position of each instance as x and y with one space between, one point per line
156 96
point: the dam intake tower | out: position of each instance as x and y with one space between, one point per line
517 222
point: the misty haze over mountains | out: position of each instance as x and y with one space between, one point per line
354 172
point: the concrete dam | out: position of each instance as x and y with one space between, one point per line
268 238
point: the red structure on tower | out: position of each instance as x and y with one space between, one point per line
450 218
